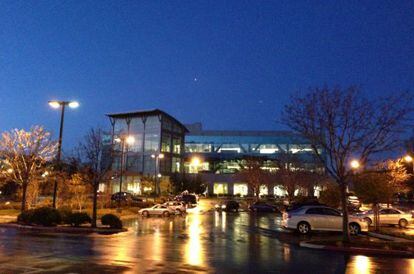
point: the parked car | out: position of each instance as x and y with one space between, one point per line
157 210
189 199
353 203
228 206
263 207
179 207
388 216
125 197
322 218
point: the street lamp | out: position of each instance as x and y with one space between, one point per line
195 162
157 173
129 140
409 159
355 164
60 104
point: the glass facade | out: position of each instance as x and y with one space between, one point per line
154 132
223 151
218 155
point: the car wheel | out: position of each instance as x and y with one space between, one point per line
354 229
304 228
166 214
368 220
403 223
145 213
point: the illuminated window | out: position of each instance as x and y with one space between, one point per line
268 149
263 190
220 188
240 189
279 191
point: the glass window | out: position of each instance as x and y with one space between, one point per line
279 191
134 162
220 188
240 189
263 190
268 149
198 147
332 212
166 142
152 134
229 148
315 210
176 145
176 164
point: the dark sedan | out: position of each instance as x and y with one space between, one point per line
263 207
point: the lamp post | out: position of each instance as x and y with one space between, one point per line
129 140
157 174
60 104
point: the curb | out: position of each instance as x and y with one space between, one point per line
361 250
64 229
388 237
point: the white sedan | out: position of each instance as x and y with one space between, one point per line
388 216
178 207
158 210
307 218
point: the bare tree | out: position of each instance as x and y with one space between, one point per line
96 163
380 184
343 123
25 154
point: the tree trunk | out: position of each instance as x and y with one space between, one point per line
344 203
376 216
24 192
94 203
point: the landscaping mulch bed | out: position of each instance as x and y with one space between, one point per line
64 229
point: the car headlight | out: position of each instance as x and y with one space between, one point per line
223 206
217 206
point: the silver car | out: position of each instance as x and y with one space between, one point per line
178 207
388 216
157 210
307 218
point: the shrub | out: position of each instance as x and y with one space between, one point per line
78 218
45 216
112 220
25 217
65 213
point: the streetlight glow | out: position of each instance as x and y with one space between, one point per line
161 156
195 161
73 104
408 158
130 140
355 164
54 104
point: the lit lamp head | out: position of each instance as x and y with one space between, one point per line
408 158
355 164
73 104
159 175
195 161
130 140
161 156
54 104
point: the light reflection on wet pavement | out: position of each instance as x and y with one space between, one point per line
196 243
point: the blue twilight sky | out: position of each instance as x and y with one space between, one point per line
228 64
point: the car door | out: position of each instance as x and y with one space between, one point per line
333 219
392 216
386 216
315 216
